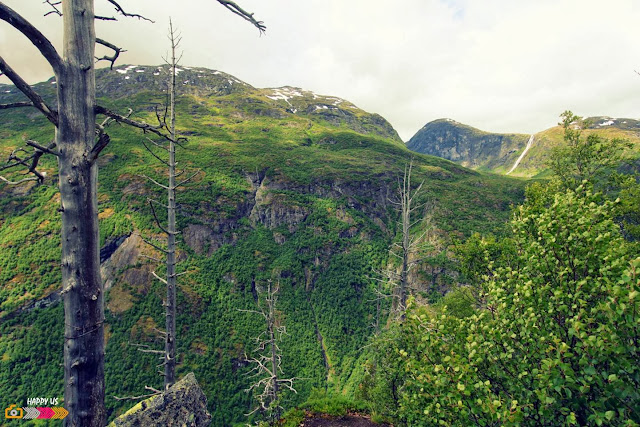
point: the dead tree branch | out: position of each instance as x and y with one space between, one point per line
33 34
116 52
47 150
144 396
145 127
16 105
155 216
187 180
121 11
234 8
30 162
54 7
27 90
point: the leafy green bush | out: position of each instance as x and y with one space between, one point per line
555 343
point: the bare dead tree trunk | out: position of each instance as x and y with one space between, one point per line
406 250
170 345
275 357
405 211
267 369
82 286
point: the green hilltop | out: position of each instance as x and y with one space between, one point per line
294 187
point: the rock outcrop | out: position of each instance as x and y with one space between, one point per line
184 404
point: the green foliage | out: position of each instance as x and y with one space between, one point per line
555 343
478 258
584 159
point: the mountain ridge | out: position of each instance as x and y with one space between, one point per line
125 80
499 152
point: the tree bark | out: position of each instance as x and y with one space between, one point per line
81 283
170 344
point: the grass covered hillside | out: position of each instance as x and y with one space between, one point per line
606 127
294 187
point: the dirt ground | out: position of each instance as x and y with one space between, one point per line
344 421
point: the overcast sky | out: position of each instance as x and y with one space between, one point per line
499 65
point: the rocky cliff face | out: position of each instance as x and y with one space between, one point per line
468 146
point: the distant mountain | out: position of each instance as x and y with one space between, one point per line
513 154
278 103
468 146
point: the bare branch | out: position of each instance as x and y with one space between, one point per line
126 120
116 52
153 210
15 104
143 348
150 257
33 178
153 245
159 331
31 162
37 146
38 102
152 389
154 181
233 7
33 34
157 203
143 396
154 154
103 140
129 15
158 277
181 183
54 6
157 145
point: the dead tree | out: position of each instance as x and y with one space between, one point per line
77 145
267 357
170 230
410 244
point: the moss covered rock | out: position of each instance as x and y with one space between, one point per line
184 404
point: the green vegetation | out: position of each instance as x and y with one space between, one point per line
554 341
301 198
546 330
297 197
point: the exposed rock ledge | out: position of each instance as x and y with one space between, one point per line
184 405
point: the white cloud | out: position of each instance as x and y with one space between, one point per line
500 65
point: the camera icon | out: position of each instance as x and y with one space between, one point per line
13 412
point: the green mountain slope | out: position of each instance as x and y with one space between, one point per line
294 187
499 153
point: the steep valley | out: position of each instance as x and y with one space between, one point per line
294 187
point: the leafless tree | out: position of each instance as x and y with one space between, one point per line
267 357
79 139
412 212
170 230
